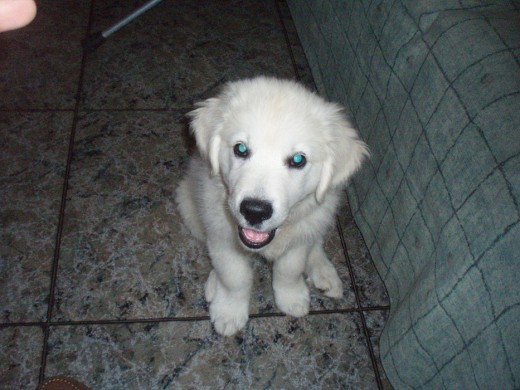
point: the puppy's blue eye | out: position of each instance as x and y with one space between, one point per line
297 160
240 149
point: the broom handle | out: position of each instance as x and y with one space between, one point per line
93 41
123 22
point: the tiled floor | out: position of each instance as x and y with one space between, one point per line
98 278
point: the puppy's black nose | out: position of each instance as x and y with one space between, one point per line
255 211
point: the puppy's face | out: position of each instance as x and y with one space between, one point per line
274 144
269 163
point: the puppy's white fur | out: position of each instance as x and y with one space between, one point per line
275 119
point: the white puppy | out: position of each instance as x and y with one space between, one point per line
274 159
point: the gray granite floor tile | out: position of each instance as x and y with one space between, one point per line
124 252
33 155
191 49
316 352
40 64
20 357
371 289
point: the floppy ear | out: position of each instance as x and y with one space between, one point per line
345 153
206 123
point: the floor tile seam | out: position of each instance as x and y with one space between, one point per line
89 109
128 321
371 353
182 319
375 308
29 324
61 216
362 241
364 326
350 269
63 201
158 110
57 248
288 42
35 110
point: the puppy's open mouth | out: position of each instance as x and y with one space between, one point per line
255 239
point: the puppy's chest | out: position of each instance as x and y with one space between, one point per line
287 237
306 229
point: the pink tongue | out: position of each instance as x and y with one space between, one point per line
255 236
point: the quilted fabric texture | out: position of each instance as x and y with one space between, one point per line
434 88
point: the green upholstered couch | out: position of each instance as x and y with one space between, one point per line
434 88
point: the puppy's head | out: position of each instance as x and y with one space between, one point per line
274 144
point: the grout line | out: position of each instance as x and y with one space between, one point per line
375 308
178 319
358 302
130 321
39 110
89 110
159 110
21 324
286 35
59 232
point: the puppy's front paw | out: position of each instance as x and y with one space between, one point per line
228 317
293 301
324 277
228 309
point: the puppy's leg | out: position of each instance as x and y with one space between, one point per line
322 274
228 289
185 199
290 290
